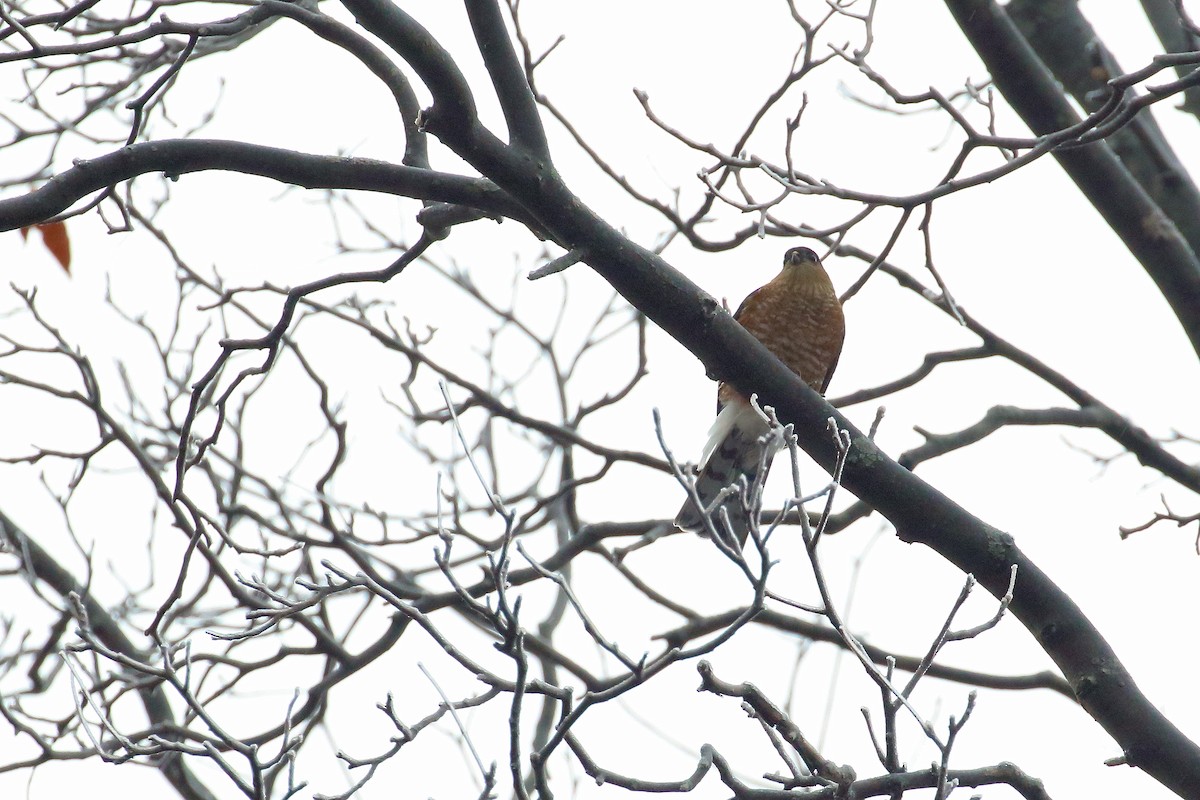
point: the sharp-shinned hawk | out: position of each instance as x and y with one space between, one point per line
798 317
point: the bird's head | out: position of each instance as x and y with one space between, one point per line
799 256
802 270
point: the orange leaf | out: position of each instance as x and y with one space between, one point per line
54 235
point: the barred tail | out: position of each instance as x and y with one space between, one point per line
735 449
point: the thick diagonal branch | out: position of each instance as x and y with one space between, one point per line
1070 47
508 78
1126 207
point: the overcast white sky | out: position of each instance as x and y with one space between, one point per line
1025 255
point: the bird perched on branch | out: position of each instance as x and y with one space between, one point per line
798 317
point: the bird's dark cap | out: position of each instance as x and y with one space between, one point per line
799 255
